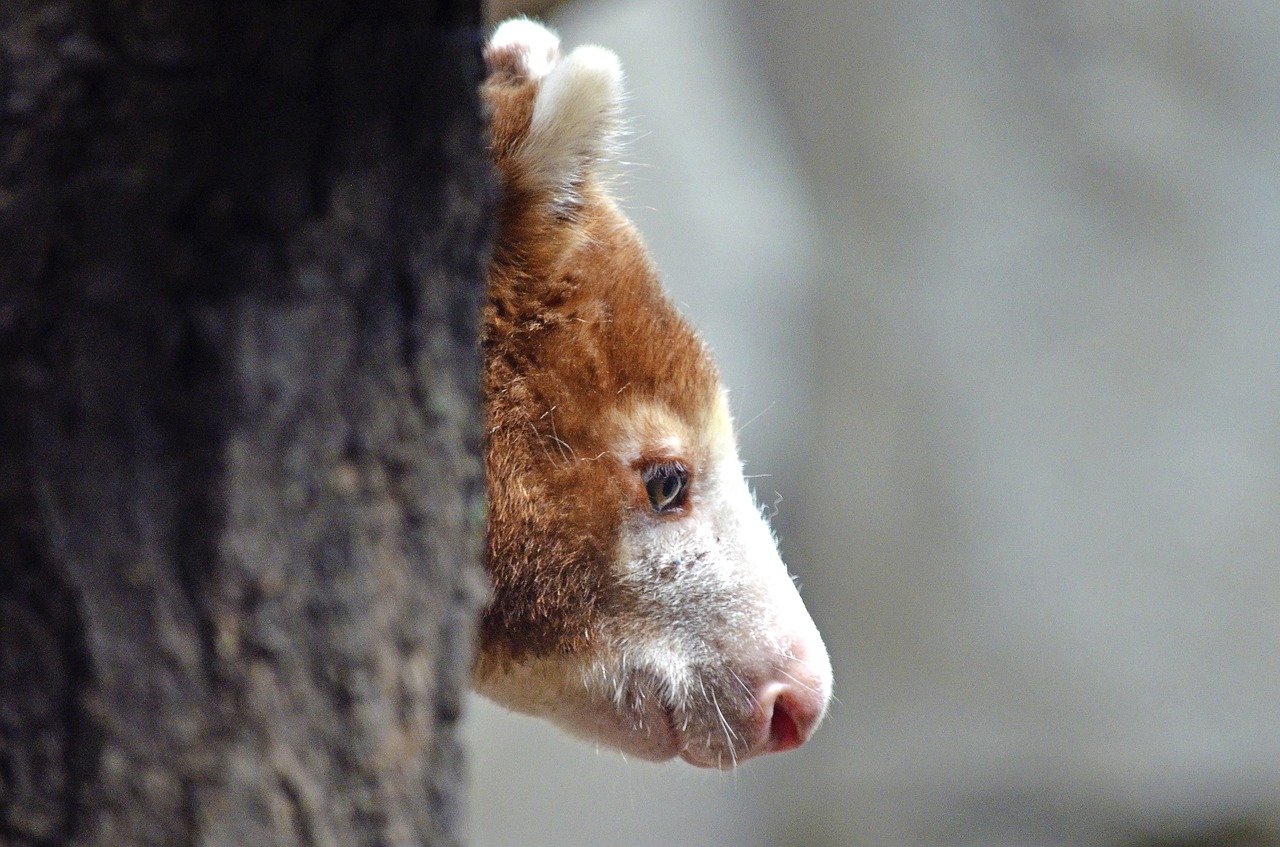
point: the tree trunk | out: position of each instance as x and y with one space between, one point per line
241 260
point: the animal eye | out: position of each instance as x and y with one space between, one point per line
666 484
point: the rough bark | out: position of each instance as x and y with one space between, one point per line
241 251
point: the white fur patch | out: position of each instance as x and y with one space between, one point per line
538 48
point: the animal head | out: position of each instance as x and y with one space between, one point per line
638 596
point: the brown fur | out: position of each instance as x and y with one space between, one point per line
576 325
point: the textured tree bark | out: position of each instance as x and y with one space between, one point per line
241 261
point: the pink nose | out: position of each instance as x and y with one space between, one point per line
792 710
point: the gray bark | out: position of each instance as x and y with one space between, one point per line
241 262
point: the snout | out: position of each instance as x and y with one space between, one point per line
788 704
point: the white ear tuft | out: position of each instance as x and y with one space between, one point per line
575 117
535 48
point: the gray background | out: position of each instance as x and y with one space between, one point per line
997 287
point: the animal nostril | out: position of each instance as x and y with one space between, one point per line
784 733
792 713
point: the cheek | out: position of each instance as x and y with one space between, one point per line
713 587
709 587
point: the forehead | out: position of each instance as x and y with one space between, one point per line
615 362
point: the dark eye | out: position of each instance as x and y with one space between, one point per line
667 484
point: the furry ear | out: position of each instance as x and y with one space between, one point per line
576 103
522 49
574 117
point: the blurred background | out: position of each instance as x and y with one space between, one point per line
996 289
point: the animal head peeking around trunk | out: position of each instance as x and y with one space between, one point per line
639 599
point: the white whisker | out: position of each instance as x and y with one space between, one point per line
757 417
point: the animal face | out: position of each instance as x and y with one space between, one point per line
639 599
